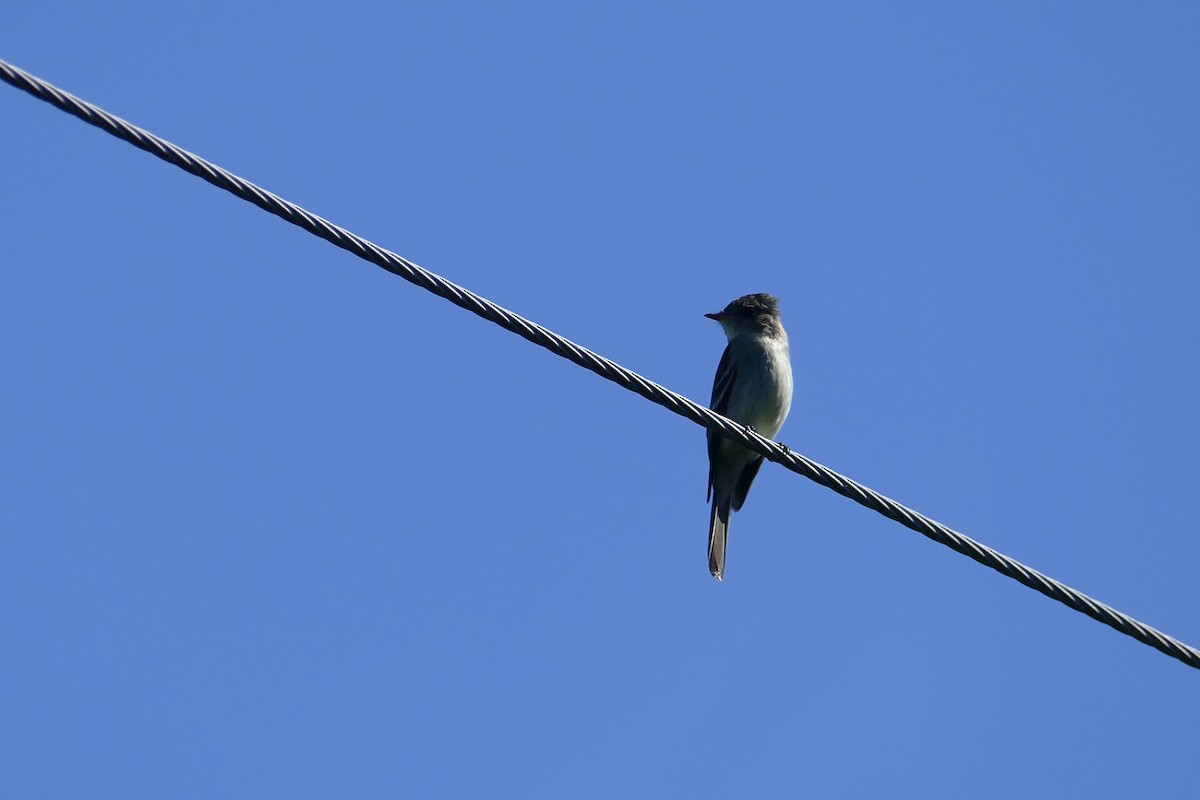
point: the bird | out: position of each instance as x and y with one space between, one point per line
753 386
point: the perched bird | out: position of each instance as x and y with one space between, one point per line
754 387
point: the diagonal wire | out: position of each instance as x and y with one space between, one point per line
603 367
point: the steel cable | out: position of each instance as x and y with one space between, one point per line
535 333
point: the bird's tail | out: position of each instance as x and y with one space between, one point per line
718 537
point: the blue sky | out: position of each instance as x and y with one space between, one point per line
276 523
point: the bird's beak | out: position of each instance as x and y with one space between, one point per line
719 317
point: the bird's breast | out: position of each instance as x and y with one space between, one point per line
762 395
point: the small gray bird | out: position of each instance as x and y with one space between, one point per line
754 387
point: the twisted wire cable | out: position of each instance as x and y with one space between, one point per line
603 367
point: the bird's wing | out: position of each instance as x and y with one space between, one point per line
722 391
743 483
723 382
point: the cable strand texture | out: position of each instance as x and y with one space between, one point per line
598 364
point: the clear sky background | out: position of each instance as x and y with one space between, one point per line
278 524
